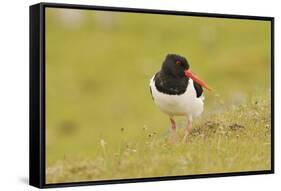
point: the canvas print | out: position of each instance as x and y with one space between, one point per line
139 95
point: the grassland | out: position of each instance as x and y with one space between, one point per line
233 141
101 122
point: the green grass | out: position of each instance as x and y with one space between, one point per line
233 141
97 76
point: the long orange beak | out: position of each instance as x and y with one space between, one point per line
189 74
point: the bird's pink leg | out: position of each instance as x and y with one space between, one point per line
173 130
188 130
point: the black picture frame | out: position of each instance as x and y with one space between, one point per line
37 94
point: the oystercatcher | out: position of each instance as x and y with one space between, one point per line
178 92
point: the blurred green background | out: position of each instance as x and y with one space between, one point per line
98 67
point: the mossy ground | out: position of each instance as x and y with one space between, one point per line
233 141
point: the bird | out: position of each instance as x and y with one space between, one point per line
177 91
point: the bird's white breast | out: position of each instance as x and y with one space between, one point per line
185 104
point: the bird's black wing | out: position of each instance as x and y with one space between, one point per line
198 89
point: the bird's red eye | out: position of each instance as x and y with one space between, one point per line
178 62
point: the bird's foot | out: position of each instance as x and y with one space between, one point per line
185 138
188 130
173 137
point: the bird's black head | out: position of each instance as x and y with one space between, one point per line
175 65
